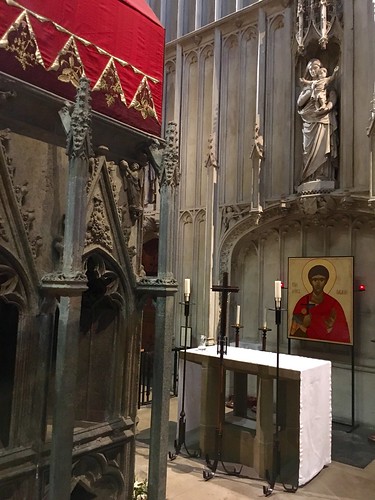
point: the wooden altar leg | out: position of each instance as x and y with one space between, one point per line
289 413
240 394
263 444
209 406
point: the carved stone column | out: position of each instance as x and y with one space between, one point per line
166 289
69 285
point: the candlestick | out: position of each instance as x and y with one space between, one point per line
264 331
187 289
182 420
238 315
277 290
265 318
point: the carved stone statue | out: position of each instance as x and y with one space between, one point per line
134 183
230 215
319 87
316 106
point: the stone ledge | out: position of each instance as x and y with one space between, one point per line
64 284
316 187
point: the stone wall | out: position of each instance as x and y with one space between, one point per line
233 86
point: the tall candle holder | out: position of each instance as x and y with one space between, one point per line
180 441
267 490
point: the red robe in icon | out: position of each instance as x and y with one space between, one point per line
327 320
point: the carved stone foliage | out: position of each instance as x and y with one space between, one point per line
98 229
77 123
62 284
170 173
317 19
3 230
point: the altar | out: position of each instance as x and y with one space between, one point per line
305 422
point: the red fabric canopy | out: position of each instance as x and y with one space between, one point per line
117 44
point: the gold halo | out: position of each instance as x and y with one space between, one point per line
319 262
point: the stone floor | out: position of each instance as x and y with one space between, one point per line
339 481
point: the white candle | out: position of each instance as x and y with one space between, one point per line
277 290
265 318
238 315
187 286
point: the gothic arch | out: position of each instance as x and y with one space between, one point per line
206 52
106 263
16 304
15 287
104 308
98 476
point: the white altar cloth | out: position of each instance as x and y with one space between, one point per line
315 417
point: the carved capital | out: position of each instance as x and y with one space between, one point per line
159 286
64 284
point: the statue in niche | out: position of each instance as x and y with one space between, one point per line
134 184
316 106
319 87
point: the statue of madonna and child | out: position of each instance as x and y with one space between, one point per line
316 106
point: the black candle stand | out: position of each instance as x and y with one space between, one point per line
237 334
276 462
264 331
180 441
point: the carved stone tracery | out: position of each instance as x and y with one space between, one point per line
11 289
317 19
99 476
103 297
313 210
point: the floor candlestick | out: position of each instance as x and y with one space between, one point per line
180 441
